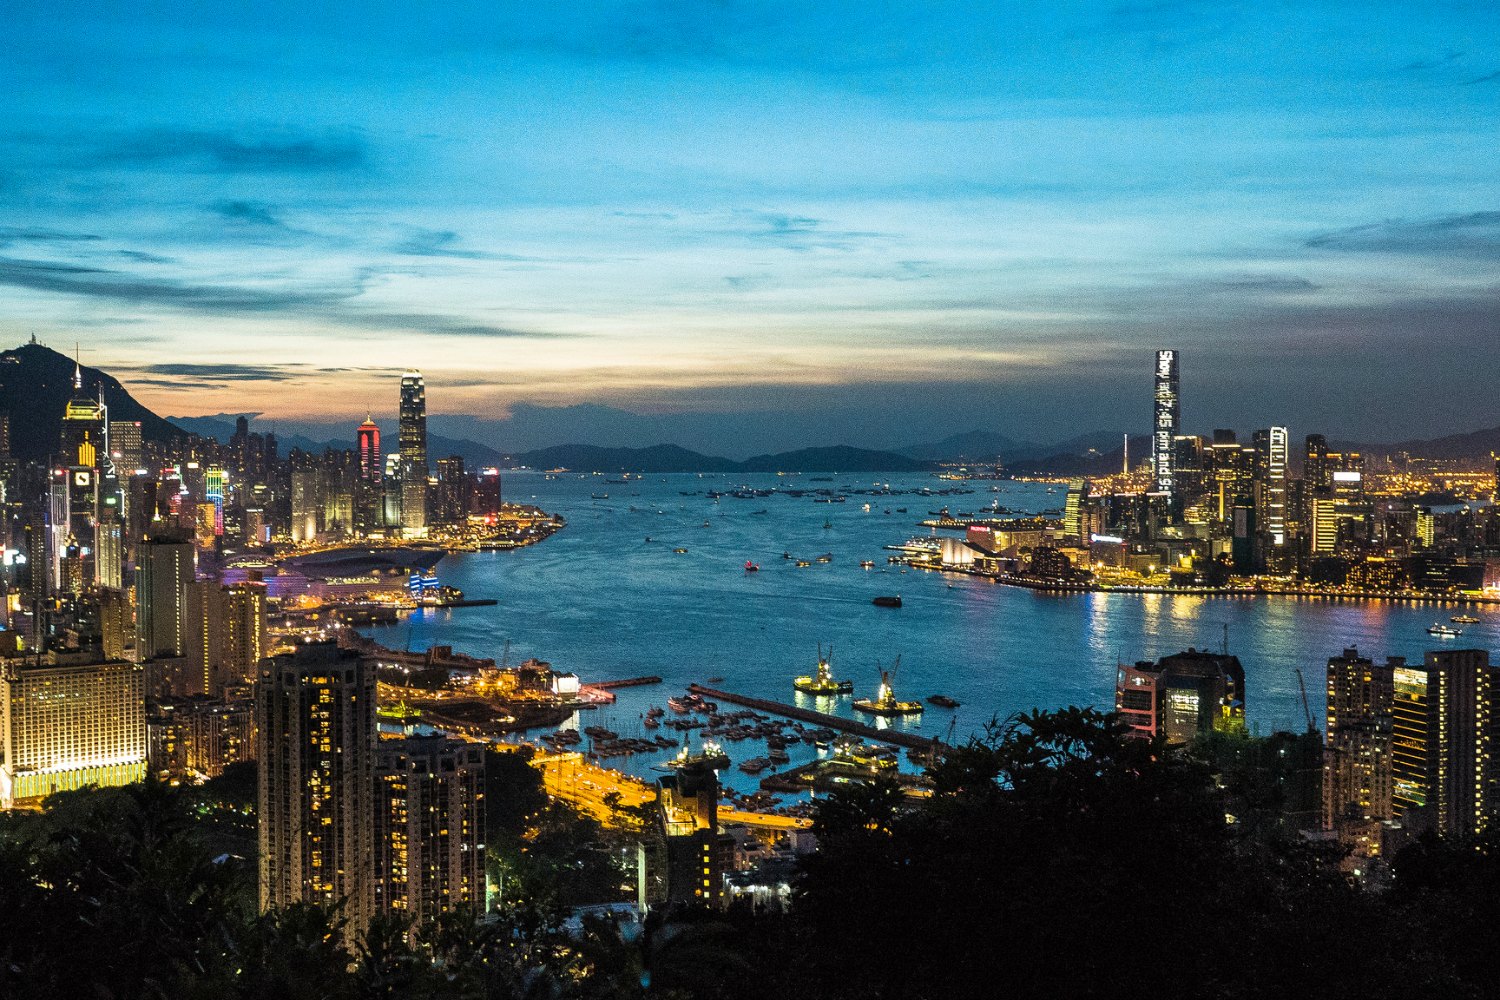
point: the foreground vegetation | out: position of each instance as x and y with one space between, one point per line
1055 859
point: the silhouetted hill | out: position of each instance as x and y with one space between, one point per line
837 458
982 447
220 427
591 458
1084 463
671 458
36 383
1474 444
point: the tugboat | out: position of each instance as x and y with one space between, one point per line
1444 631
885 703
887 602
1464 620
823 683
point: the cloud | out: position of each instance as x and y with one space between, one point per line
444 243
1421 65
1473 234
120 286
225 152
32 234
248 212
1487 78
141 257
223 372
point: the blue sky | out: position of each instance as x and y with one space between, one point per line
872 222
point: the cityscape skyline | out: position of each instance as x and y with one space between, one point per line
851 224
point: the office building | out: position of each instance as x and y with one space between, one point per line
412 435
1440 741
429 826
1168 417
70 723
697 857
1357 759
164 567
1183 696
315 747
367 439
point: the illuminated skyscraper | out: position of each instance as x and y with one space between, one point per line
429 826
315 747
367 437
227 627
413 442
69 723
1273 519
1168 420
1441 741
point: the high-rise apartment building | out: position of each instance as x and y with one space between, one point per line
126 446
429 826
687 807
1183 695
1440 741
164 569
315 746
1357 759
412 435
69 723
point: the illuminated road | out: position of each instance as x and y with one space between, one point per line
568 776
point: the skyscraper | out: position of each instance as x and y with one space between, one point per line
163 570
367 436
687 806
227 626
1357 761
70 721
315 746
1441 746
1168 419
429 826
413 443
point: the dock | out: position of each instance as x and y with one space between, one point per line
909 740
629 682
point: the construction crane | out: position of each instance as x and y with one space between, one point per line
1307 711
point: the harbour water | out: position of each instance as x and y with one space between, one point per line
600 600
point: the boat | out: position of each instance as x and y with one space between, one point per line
942 701
755 765
827 525
710 753
599 496
893 601
822 682
1444 631
679 705
826 557
1464 620
680 551
651 722
779 756
751 567
867 564
885 703
803 563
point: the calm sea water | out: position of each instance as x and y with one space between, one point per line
599 600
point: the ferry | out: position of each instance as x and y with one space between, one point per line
1444 631
1464 620
822 682
885 703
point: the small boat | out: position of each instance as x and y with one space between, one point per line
1444 631
751 567
1464 620
779 756
599 496
803 563
786 555
827 525
680 551
867 564
651 722
942 701
755 765
893 601
648 538
826 557
885 703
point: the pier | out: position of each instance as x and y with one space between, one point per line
629 682
909 740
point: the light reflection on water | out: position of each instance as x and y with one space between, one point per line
599 600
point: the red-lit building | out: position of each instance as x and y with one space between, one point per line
368 437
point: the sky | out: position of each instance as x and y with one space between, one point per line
764 225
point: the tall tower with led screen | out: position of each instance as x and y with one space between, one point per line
413 443
1168 420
